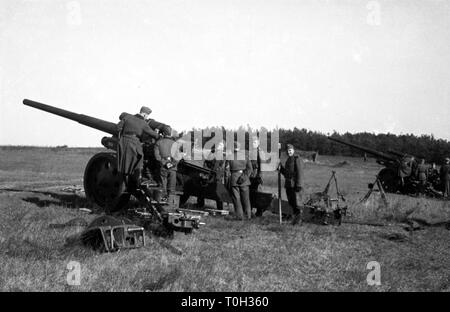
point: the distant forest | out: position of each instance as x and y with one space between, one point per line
427 146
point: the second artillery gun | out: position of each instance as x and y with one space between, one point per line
398 176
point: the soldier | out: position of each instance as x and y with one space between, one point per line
133 130
151 166
405 169
256 157
240 171
422 172
293 174
445 177
217 164
414 165
167 163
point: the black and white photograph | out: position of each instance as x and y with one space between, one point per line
224 151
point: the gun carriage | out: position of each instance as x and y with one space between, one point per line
398 174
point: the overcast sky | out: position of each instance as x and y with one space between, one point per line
376 66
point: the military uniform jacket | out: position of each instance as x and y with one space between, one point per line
132 130
163 151
422 172
293 172
135 125
239 168
256 157
217 165
445 172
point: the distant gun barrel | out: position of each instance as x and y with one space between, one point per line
92 122
375 153
400 154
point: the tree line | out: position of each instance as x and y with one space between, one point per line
423 146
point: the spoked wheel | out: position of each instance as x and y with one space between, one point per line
389 180
103 184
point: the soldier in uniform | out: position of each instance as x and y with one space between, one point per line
256 181
292 171
255 157
151 166
414 165
405 169
445 177
422 172
240 171
133 130
217 164
167 163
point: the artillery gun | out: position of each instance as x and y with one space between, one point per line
398 176
105 189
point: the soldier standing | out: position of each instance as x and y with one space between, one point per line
240 171
167 163
445 177
133 130
215 161
422 172
256 157
293 174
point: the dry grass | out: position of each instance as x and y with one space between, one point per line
259 255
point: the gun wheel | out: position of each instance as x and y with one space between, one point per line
103 184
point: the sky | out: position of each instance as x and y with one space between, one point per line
375 66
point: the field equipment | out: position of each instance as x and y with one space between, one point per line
110 234
378 184
321 208
399 174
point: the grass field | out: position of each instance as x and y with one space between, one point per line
259 255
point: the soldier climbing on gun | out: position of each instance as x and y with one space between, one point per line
133 131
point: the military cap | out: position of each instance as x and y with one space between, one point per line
145 110
289 146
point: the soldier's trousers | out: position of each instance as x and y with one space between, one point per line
447 188
241 200
294 199
168 179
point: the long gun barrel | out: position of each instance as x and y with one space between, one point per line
375 153
99 124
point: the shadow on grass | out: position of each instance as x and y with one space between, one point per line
30 250
64 200
163 281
